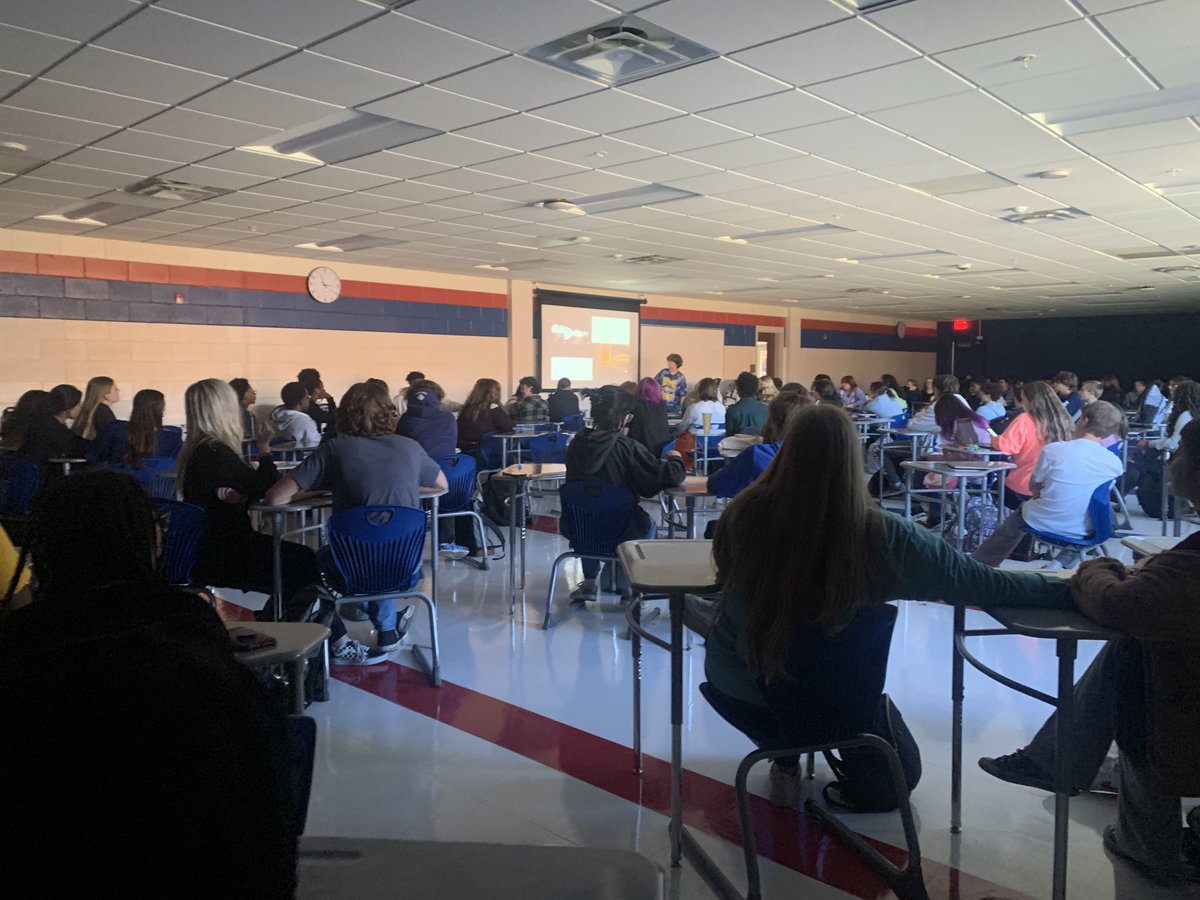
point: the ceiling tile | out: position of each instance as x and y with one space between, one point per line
685 133
767 114
597 151
394 165
738 154
132 76
199 126
295 22
726 27
38 148
528 167
82 103
610 105
1079 86
73 174
938 25
454 150
80 22
842 48
179 40
512 24
436 108
297 191
414 193
111 161
338 177
518 82
826 137
262 106
467 180
53 128
218 178
1138 137
524 132
895 85
331 80
1062 48
1153 28
661 167
704 85
402 46
136 141
28 53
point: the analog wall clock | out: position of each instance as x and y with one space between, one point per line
324 284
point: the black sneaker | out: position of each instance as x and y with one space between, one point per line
392 638
1018 768
1183 874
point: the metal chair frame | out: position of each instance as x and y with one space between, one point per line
447 463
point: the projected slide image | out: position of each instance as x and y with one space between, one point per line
589 346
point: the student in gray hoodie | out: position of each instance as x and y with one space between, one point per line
291 420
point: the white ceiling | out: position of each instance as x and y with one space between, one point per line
812 114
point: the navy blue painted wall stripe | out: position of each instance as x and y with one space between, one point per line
49 297
822 339
735 335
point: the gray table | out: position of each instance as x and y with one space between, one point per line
674 568
294 641
1066 627
366 869
964 472
692 488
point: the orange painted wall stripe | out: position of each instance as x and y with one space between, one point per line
829 325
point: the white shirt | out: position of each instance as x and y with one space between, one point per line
695 412
885 406
1171 441
1069 472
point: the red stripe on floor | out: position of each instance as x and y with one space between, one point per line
709 805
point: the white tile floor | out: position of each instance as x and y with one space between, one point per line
384 770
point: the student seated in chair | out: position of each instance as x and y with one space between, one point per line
605 453
804 546
291 419
749 414
1066 475
1141 691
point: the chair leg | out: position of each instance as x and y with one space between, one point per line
746 817
635 648
550 591
810 767
431 667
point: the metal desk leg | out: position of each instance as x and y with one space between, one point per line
690 502
523 497
1064 762
956 722
512 554
635 649
1002 510
960 527
296 676
436 554
277 562
676 727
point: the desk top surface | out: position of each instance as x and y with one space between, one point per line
1148 545
316 501
663 566
958 467
292 641
692 484
535 470
1050 623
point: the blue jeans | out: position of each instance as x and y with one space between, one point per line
381 612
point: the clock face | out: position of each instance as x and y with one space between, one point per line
324 285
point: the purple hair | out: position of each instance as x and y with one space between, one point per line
649 390
949 409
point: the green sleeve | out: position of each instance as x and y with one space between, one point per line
929 568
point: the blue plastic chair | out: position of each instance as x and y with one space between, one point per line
377 550
826 702
901 420
152 475
459 469
1099 513
181 542
548 448
1115 495
20 481
491 449
596 516
543 427
573 422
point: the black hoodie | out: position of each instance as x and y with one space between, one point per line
615 458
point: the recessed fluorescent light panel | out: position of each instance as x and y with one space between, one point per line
337 138
645 195
960 184
109 209
620 50
1123 112
350 243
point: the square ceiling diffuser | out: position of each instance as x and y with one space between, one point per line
620 50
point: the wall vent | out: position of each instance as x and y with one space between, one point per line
175 191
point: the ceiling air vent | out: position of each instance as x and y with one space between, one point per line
1171 270
175 191
653 259
1059 214
1153 252
620 50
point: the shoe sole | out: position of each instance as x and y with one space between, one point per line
369 661
1006 776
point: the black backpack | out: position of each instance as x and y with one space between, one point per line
864 782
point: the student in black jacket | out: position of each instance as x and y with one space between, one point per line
605 453
47 436
563 402
323 407
649 426
213 476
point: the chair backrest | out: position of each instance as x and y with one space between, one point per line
573 422
596 515
491 448
1100 514
834 681
459 469
149 473
377 549
667 448
181 542
900 420
548 448
541 427
19 482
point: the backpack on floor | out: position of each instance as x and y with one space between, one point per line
1149 495
980 519
864 782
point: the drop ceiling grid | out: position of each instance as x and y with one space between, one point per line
215 96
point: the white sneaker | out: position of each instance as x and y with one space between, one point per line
356 653
585 593
453 551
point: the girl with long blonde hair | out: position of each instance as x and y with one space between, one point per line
96 414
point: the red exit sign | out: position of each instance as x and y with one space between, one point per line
962 325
